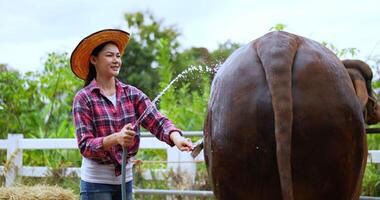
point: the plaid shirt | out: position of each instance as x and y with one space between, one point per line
95 117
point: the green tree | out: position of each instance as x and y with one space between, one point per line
201 56
13 103
223 51
57 85
140 66
38 104
184 106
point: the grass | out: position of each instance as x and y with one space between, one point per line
371 182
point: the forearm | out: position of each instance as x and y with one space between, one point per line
182 143
109 141
125 137
162 128
175 136
91 147
156 123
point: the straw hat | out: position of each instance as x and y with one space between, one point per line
80 57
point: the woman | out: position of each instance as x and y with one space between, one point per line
105 111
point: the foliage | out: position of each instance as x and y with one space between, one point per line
193 56
341 53
374 62
139 58
223 51
278 27
153 155
13 102
184 107
38 104
371 182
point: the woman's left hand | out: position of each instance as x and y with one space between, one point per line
182 143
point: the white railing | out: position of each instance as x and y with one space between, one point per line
176 160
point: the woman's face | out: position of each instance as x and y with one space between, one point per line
108 62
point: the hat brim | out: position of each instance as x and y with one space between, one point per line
80 58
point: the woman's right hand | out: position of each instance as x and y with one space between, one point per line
126 136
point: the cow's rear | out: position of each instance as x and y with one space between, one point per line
326 125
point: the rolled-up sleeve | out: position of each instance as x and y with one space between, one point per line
89 145
154 121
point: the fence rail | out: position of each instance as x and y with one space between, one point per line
15 144
176 160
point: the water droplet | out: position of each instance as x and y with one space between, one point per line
180 76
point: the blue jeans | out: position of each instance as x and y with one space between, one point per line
99 191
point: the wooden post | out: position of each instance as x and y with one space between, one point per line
14 157
181 162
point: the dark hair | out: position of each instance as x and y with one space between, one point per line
92 71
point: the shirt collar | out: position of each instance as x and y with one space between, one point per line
120 84
94 86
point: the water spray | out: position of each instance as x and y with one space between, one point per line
199 144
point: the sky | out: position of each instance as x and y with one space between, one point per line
30 29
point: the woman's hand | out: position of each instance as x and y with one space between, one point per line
126 136
182 143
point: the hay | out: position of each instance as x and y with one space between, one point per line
38 192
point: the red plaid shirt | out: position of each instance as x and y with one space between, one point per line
95 117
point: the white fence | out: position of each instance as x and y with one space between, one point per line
176 160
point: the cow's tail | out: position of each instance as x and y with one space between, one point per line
276 52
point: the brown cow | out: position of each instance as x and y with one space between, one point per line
285 122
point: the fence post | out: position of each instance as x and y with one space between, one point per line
14 158
181 162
